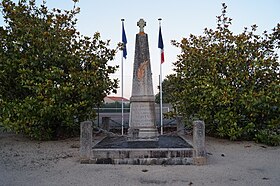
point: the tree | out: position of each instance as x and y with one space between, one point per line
230 81
51 76
167 89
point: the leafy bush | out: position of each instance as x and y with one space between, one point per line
51 77
269 137
230 81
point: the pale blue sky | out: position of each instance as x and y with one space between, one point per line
179 19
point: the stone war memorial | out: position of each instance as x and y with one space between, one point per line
142 102
143 145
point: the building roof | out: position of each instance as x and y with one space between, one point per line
116 98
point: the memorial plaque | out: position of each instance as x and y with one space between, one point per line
142 114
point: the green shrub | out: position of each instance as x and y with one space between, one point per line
51 77
230 81
270 137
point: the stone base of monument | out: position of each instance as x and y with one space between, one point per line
167 150
142 134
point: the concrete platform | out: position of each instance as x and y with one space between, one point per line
169 150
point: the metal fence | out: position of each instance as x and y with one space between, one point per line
115 116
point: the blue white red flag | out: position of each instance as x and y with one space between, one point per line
160 45
124 41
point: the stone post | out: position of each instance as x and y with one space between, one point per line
105 123
180 125
199 157
85 141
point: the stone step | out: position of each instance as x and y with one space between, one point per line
169 150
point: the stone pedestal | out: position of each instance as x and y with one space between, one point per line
105 124
142 125
85 141
180 125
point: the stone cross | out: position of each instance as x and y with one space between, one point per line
141 23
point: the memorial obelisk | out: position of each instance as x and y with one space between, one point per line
142 125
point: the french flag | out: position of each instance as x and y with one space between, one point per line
160 45
124 41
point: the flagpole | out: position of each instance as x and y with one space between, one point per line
122 95
161 120
160 90
122 79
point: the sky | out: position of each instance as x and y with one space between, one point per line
180 18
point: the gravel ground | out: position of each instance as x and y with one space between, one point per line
26 162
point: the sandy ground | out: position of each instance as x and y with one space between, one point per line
26 162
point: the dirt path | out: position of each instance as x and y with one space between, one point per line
26 162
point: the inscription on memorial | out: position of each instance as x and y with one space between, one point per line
142 115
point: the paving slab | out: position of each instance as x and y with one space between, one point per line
121 142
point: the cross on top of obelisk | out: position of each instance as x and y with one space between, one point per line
141 23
